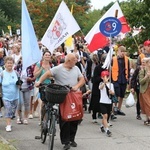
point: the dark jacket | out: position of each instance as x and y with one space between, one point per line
135 79
97 79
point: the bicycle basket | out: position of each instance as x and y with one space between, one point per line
56 93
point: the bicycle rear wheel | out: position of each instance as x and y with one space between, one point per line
44 129
51 133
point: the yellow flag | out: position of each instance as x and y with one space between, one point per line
72 9
69 41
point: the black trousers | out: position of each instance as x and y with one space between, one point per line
67 131
138 108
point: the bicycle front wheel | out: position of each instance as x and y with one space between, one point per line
51 133
44 130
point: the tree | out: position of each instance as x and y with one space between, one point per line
4 22
12 11
137 14
43 13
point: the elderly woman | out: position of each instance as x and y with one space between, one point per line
10 92
144 79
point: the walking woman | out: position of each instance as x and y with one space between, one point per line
10 91
144 79
40 68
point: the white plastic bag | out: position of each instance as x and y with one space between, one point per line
130 100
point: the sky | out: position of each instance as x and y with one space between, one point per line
99 4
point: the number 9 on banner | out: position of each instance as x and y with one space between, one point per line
110 26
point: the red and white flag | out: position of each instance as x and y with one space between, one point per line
95 38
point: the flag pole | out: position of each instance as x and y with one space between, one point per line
110 46
135 41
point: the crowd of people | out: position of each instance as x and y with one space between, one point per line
80 69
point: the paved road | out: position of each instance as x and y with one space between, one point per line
128 134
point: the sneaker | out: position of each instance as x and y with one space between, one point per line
113 117
108 133
8 128
25 122
66 147
109 124
148 123
73 144
13 117
30 116
119 112
102 129
94 121
1 114
138 117
19 121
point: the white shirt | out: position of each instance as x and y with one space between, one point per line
104 97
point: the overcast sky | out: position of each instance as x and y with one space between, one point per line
99 4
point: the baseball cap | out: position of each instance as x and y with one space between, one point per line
58 54
147 43
104 73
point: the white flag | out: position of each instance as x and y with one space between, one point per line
62 26
108 59
30 49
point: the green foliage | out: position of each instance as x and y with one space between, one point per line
3 22
11 13
137 14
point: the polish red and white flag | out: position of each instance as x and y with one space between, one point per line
95 39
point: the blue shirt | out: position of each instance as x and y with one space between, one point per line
10 90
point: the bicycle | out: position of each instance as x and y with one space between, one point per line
50 94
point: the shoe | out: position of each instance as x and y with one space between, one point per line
66 147
119 112
30 116
94 121
19 121
1 115
108 133
148 123
8 128
138 117
109 124
25 122
13 117
102 129
113 117
73 144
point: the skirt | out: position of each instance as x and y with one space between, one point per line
145 102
